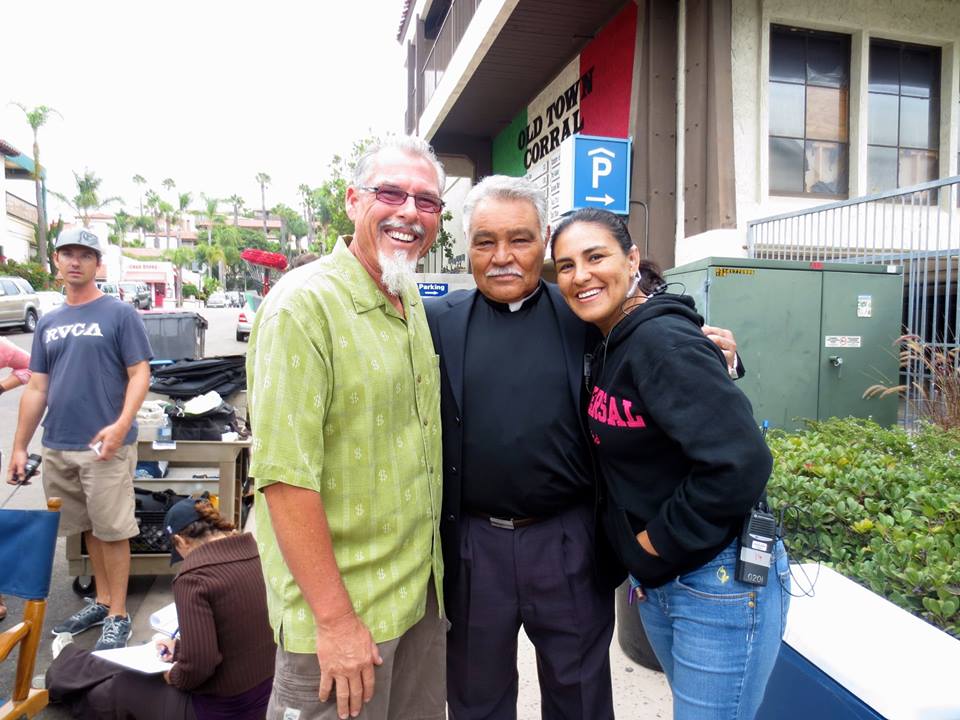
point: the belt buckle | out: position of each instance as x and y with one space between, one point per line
505 524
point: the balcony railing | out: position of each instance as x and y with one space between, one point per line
438 56
916 227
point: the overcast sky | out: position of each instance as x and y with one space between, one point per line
206 92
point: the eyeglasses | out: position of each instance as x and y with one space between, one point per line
395 196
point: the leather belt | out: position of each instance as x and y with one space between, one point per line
507 523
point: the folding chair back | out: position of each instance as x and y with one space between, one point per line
28 540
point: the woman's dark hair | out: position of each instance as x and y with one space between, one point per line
651 279
614 224
210 522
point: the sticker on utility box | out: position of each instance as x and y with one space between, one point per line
845 341
865 306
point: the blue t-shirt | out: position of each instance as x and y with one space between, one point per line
86 350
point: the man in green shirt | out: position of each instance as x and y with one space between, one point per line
345 402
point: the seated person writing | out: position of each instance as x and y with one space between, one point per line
222 661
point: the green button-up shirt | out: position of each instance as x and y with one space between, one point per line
345 400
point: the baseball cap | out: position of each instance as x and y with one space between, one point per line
79 236
177 518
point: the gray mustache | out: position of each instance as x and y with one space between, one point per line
500 271
415 228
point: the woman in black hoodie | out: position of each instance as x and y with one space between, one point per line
683 463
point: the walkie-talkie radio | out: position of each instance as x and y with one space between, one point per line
757 539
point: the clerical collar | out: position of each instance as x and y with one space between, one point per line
513 307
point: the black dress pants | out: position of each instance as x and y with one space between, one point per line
95 689
541 577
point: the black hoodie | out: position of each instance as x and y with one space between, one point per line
677 444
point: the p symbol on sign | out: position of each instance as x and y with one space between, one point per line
602 165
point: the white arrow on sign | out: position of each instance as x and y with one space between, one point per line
606 199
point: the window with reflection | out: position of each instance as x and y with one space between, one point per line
904 115
809 112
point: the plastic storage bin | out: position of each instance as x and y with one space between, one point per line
175 335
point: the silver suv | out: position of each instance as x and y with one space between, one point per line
137 294
19 304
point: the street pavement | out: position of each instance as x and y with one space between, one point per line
638 692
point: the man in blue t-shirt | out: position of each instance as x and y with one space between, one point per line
91 371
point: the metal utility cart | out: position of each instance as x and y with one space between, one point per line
230 458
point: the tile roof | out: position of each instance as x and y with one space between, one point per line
404 17
8 149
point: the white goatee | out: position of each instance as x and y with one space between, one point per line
397 272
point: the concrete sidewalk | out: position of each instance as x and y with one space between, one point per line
637 692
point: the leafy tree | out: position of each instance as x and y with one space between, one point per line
53 232
87 199
305 191
264 180
37 118
443 245
180 257
122 222
328 201
291 223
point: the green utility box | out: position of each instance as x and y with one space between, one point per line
812 336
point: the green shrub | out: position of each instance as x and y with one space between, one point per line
190 290
878 505
32 272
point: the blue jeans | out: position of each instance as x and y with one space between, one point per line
717 639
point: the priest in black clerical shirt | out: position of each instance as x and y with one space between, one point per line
519 494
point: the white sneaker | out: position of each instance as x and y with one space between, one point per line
60 642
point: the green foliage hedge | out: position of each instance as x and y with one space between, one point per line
32 272
878 505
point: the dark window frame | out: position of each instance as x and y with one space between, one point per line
936 53
807 34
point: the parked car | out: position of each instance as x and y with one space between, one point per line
49 301
109 288
217 300
19 304
137 294
245 320
234 298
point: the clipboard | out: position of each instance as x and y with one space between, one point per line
141 658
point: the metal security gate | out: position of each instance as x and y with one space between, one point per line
916 227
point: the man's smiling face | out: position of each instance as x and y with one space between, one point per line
392 229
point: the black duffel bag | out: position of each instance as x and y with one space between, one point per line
206 426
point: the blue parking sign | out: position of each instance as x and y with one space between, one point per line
596 173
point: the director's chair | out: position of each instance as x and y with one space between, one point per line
28 539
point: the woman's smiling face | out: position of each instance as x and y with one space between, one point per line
594 273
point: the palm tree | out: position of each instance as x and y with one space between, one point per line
238 204
87 199
264 180
153 205
180 257
305 193
183 203
141 181
37 118
169 184
166 212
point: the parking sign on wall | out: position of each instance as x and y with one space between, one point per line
595 172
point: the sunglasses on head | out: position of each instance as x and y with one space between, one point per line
395 196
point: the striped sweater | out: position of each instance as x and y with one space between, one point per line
226 645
